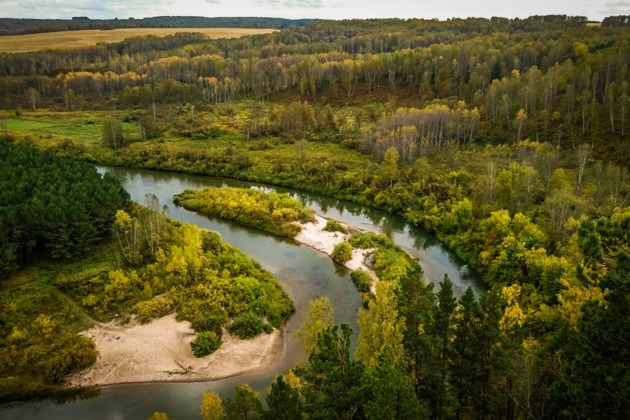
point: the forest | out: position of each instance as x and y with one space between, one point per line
505 138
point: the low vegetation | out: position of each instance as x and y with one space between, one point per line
362 280
274 213
334 226
342 252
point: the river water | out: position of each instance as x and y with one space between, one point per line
304 273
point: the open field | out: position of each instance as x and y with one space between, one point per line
69 39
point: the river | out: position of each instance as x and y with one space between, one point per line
304 273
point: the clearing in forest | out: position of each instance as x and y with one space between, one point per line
69 39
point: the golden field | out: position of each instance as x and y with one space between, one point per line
69 39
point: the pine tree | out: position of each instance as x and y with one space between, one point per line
283 402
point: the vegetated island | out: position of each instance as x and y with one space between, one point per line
284 216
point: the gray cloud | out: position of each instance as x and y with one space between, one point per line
619 7
292 4
92 8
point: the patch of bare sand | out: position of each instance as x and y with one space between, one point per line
314 236
160 351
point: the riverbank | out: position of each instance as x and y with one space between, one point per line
160 352
313 235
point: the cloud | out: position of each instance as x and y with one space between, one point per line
291 4
619 7
96 9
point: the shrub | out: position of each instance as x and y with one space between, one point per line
361 279
335 226
209 321
246 325
363 240
206 343
154 308
342 252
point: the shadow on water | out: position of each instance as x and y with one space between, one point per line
303 273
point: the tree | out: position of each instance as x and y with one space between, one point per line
521 117
211 406
381 329
490 367
597 384
442 329
127 230
464 356
582 154
283 402
416 302
159 416
245 405
335 385
112 133
390 165
391 394
318 318
33 97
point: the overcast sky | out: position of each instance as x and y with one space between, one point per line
325 9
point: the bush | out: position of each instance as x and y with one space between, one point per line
154 308
361 279
366 298
342 252
209 321
206 343
363 240
335 226
246 325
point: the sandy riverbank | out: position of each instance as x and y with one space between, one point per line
314 236
160 351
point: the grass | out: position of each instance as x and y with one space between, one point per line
71 39
48 129
26 125
82 127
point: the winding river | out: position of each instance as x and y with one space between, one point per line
304 273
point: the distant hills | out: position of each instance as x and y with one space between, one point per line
12 26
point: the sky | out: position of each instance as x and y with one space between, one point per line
324 9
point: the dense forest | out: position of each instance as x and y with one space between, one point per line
505 138
52 206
